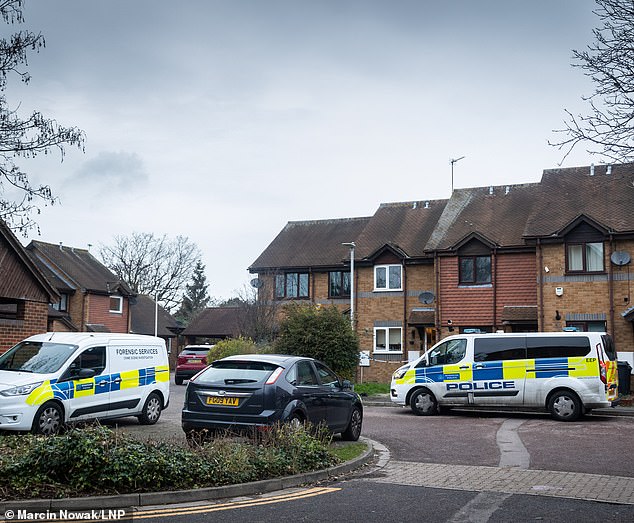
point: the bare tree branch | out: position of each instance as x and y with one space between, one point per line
607 129
153 265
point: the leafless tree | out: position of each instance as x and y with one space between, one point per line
608 129
23 138
257 318
153 265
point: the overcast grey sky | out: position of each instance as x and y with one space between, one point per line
221 120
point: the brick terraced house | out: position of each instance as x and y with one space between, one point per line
543 256
92 298
25 294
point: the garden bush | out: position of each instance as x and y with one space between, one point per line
96 460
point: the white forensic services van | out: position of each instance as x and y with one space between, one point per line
49 380
567 374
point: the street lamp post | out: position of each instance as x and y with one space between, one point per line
352 245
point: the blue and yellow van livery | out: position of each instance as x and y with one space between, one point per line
566 373
51 379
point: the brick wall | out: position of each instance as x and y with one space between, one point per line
32 319
587 295
98 311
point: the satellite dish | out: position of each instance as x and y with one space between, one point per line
256 283
426 297
620 258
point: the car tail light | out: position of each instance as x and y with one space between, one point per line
273 377
603 373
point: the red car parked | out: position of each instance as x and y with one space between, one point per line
191 360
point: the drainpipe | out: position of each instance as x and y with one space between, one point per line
405 327
540 280
495 291
84 296
437 277
611 287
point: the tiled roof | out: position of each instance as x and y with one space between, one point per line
68 268
565 194
310 244
215 322
143 311
497 213
405 225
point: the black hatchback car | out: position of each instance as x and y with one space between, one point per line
242 393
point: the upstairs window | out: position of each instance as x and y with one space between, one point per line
338 284
291 285
116 304
387 277
62 304
475 270
584 257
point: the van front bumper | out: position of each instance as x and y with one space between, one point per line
14 416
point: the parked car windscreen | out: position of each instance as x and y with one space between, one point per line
37 357
235 372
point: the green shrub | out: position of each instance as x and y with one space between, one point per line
323 333
231 347
96 460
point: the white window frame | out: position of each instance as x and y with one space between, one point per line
120 309
387 278
387 339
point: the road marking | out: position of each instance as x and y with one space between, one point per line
513 453
481 508
202 509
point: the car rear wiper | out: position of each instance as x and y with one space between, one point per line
233 381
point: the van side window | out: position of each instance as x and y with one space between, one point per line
557 346
496 349
93 358
446 353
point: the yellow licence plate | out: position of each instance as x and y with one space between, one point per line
217 400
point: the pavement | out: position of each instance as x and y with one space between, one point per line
509 478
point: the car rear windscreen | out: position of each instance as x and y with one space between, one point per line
234 372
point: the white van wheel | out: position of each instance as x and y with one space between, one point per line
48 420
151 410
564 406
423 403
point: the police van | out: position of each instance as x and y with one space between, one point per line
49 380
567 374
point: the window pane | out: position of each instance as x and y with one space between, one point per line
395 339
395 277
380 339
380 278
466 270
279 286
345 291
291 285
335 284
483 269
303 285
575 257
594 256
